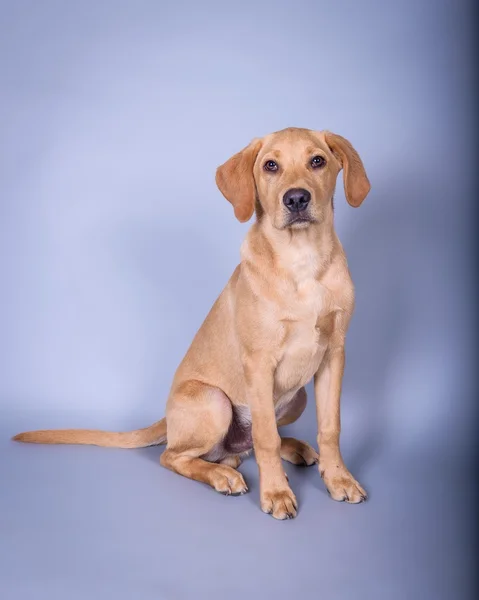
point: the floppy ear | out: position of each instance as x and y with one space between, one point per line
236 182
356 183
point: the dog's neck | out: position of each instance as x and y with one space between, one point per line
301 253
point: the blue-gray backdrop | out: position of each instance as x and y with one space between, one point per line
115 242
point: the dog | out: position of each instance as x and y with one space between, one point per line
280 322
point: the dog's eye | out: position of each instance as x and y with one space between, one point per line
270 165
317 162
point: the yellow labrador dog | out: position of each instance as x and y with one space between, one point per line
280 321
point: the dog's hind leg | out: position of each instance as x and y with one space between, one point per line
292 450
233 460
198 418
298 452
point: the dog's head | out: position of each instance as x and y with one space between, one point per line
290 176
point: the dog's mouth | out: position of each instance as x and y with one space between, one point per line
299 221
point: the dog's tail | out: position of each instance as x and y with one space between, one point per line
140 438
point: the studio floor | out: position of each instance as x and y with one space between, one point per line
83 523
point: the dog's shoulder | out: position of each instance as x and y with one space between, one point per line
337 280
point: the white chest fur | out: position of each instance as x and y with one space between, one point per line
307 318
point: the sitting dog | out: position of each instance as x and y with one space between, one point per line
280 321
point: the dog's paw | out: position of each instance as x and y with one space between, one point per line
228 481
280 504
298 453
342 486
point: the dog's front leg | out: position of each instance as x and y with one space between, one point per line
275 494
327 387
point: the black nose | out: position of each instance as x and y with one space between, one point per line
296 199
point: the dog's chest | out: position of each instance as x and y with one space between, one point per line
307 321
